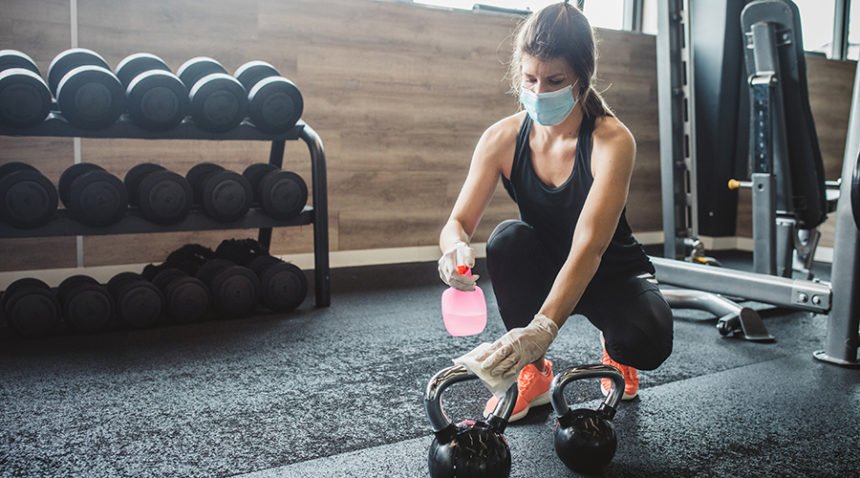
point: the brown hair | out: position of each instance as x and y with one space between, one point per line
561 30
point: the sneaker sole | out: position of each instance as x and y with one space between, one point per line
541 399
626 396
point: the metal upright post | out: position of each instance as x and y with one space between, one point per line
676 97
843 322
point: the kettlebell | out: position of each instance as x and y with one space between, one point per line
585 439
470 448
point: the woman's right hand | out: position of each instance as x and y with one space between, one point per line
459 255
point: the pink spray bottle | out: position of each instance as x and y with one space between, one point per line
464 312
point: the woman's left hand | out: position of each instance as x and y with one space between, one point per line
521 346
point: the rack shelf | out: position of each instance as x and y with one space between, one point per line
57 126
134 223
63 225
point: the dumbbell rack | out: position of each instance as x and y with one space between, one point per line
132 223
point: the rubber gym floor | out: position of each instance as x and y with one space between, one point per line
337 392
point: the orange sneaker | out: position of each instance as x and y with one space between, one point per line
533 391
631 376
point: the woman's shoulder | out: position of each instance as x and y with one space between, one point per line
610 131
506 129
501 136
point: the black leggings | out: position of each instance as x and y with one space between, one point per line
631 312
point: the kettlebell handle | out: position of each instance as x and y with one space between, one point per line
559 404
458 373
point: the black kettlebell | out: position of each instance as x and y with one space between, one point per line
585 439
470 448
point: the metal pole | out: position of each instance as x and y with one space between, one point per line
322 274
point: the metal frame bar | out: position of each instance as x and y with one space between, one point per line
633 15
841 27
676 100
782 291
843 322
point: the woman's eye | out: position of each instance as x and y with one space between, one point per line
556 82
529 80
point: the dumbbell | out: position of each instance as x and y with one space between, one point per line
86 304
31 308
234 289
25 100
275 104
157 100
163 196
282 194
284 285
138 302
218 101
88 94
27 197
186 298
92 195
225 195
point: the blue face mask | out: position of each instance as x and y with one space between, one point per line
548 109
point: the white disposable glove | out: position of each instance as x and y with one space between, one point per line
520 347
459 255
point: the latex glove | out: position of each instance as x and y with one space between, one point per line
520 347
459 255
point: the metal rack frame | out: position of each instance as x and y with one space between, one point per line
133 223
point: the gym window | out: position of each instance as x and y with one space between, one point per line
817 19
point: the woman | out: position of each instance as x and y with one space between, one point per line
566 161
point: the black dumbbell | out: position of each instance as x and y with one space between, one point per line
235 289
27 197
25 100
284 285
157 100
225 195
138 302
275 104
31 308
86 304
186 298
88 94
218 101
92 195
163 196
282 194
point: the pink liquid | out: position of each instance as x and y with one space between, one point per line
464 313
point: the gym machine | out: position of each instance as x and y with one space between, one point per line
790 194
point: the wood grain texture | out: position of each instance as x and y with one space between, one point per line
399 94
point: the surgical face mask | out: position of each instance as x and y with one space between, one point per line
548 109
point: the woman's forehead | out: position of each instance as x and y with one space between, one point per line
544 67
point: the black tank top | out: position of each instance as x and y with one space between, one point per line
553 212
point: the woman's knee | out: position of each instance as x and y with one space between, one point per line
509 236
646 343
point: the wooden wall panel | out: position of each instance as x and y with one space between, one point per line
399 93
